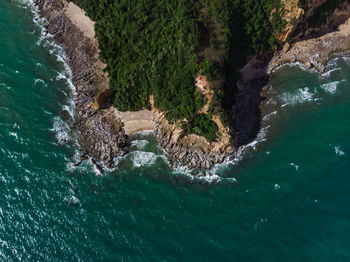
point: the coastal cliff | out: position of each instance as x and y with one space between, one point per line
104 129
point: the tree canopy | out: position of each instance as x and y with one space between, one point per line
153 48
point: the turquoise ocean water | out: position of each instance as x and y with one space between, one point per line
286 198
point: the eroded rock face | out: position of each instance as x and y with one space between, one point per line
298 12
293 15
102 136
314 53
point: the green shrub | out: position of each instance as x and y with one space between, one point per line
202 125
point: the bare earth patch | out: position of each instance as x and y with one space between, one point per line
203 85
78 17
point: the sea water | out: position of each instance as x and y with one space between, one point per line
284 198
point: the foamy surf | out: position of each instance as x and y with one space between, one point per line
203 177
216 174
300 96
61 130
141 158
295 166
61 127
338 151
139 144
332 66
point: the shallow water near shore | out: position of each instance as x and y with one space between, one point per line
286 199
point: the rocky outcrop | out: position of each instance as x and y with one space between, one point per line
102 136
314 53
102 133
190 151
293 15
303 18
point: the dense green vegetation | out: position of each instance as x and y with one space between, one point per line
158 47
203 126
250 28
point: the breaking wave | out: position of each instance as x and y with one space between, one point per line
297 97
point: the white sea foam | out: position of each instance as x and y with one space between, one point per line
46 40
329 72
60 76
268 116
346 59
7 87
299 65
338 151
214 178
139 144
203 177
271 101
252 146
295 166
331 87
222 167
40 81
214 175
144 132
14 134
331 67
301 96
61 129
70 109
140 158
73 200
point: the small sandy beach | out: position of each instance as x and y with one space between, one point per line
137 121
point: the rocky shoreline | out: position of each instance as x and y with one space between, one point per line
189 151
314 53
101 134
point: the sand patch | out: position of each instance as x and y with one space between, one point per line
137 121
79 18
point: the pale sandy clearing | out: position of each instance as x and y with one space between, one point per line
137 121
78 17
203 85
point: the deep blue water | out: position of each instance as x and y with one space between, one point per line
286 199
